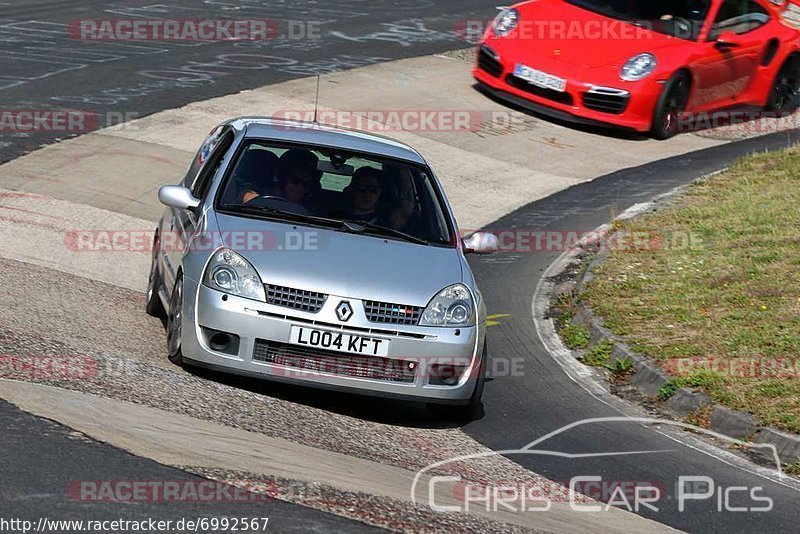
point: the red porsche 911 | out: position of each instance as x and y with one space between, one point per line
644 65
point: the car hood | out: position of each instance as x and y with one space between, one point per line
572 35
342 264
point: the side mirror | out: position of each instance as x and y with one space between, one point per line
727 40
177 196
481 243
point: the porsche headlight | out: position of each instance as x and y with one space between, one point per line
638 67
231 273
453 306
505 22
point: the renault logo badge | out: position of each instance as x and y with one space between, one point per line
344 311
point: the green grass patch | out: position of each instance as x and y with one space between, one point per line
600 354
793 469
670 387
621 367
575 336
710 287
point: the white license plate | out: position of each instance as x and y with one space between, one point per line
339 341
539 78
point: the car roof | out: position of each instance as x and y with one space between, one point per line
292 131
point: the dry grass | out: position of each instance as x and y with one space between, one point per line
721 290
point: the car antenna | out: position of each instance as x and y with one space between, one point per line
316 101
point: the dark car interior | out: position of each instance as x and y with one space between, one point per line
406 199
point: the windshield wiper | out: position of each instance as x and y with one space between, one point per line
360 227
266 211
353 227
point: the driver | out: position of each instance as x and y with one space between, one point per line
298 177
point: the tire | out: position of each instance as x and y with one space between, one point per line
670 106
466 412
154 306
784 95
175 323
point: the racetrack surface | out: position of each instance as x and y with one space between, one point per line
543 399
44 464
43 67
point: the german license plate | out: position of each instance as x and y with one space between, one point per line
339 341
539 78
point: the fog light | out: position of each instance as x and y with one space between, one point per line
221 341
446 374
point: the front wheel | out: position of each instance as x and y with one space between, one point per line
472 410
784 96
671 106
175 323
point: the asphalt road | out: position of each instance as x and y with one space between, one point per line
43 464
42 67
45 67
542 398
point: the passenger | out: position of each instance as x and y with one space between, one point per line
364 194
401 219
403 215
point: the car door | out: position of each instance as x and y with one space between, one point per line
198 180
727 68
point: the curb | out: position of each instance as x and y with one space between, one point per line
648 378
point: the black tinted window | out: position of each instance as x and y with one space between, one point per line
738 16
678 18
336 185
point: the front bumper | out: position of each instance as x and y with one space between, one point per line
599 98
258 325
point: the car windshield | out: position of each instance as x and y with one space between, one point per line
679 18
357 193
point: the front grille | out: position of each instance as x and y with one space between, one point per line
386 312
334 363
549 94
607 100
298 299
487 62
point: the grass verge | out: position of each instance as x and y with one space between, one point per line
710 288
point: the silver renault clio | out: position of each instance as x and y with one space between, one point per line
305 253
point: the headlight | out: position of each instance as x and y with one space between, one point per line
505 22
453 306
638 67
231 273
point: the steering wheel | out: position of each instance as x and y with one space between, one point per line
266 197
